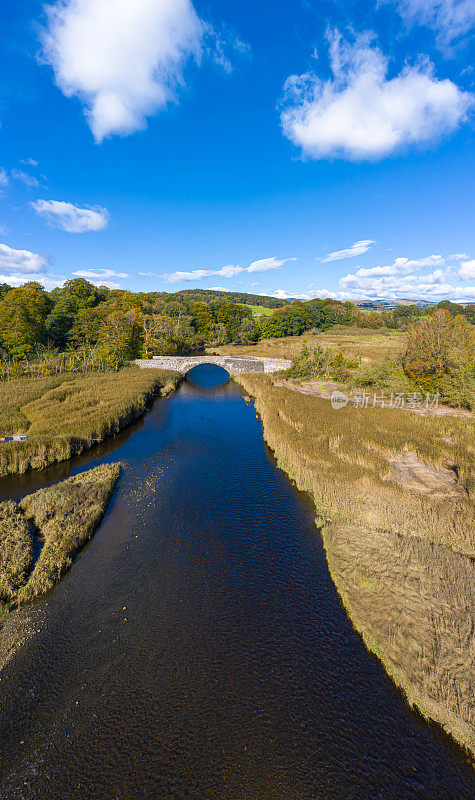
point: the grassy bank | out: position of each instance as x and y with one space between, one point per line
400 555
65 414
354 343
56 521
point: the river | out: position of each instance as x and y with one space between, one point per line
198 650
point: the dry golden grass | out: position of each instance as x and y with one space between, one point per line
352 342
19 392
401 560
16 552
66 516
64 415
63 517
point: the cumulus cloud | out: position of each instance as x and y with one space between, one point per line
400 266
99 273
3 177
125 60
48 282
21 262
467 270
70 218
360 113
451 19
20 266
407 279
356 249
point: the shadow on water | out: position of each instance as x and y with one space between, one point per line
198 649
206 377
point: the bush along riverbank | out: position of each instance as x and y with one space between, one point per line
394 496
40 536
63 415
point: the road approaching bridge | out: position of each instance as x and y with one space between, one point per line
232 364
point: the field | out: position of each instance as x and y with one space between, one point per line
66 414
354 343
400 552
57 521
259 309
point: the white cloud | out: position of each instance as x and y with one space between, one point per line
356 249
29 162
467 270
21 262
70 218
3 177
218 289
230 271
29 180
451 19
133 62
108 284
99 273
406 279
265 264
48 282
362 114
400 266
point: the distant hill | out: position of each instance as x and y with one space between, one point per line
386 305
208 295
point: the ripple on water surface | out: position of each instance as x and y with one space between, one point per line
198 649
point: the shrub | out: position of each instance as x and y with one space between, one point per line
322 363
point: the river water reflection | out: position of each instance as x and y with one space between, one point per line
197 649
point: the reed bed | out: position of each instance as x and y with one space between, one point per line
58 520
401 560
66 414
354 343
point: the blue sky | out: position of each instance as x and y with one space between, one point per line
291 148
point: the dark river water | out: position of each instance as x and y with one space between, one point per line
198 650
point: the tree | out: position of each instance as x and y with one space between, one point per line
158 335
76 294
120 336
291 320
203 318
440 356
22 319
86 326
231 315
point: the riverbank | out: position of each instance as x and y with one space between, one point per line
40 536
63 415
401 558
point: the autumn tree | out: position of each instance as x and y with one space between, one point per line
440 356
120 336
86 326
22 319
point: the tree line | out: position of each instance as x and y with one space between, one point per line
114 325
98 328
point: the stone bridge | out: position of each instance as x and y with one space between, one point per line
233 364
